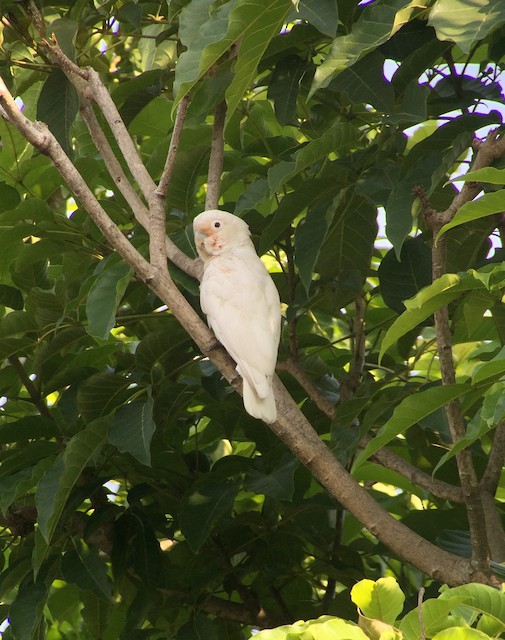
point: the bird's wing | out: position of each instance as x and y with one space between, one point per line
242 307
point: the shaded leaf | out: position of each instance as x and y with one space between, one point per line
57 107
202 507
59 480
131 429
105 295
82 566
322 14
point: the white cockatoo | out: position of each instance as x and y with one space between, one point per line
242 305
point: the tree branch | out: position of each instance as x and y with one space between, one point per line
216 158
486 152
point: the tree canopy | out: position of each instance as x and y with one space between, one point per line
362 143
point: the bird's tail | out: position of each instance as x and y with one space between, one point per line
262 408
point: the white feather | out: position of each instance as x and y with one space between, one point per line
242 305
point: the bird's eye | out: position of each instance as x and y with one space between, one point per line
216 224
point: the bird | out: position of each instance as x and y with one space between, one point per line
242 305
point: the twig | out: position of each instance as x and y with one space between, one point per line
216 158
30 388
292 367
495 460
384 456
420 596
166 175
351 382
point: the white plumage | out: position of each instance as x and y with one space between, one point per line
242 305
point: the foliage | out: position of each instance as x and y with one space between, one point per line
472 611
138 499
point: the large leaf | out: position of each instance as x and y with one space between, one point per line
26 612
59 480
466 22
375 26
322 14
337 139
409 412
486 205
434 613
402 279
382 599
57 107
132 428
254 22
83 566
444 290
105 295
202 507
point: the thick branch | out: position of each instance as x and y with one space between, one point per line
216 158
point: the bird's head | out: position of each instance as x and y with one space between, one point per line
218 231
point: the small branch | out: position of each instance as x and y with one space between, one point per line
496 458
384 456
180 118
420 596
112 163
293 367
226 609
350 383
30 387
216 158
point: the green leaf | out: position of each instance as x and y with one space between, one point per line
309 238
57 106
11 297
402 279
202 507
482 599
410 411
491 175
444 290
434 615
105 295
284 87
466 22
375 26
258 21
337 139
365 82
279 484
95 613
382 599
486 205
322 14
461 633
132 428
59 480
83 566
100 394
26 612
